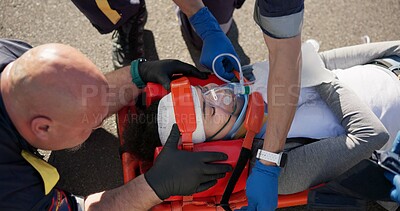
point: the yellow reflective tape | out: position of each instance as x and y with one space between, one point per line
48 172
111 14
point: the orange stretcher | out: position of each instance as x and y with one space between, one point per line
133 167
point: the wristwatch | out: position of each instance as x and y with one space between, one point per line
278 158
136 79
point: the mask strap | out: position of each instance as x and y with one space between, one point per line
211 138
185 115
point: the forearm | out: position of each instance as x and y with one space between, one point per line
136 195
189 7
122 90
358 120
342 58
283 89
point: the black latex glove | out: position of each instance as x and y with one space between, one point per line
179 172
161 71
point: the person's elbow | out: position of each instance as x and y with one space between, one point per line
381 135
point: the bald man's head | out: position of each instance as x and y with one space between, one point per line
46 95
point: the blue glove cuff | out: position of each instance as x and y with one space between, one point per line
271 170
204 23
396 144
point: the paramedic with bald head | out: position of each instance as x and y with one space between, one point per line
49 95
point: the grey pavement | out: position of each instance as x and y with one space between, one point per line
334 23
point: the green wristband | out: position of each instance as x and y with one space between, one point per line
136 79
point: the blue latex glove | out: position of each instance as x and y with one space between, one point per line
262 188
396 144
395 179
215 42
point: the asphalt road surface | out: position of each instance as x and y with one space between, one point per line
96 166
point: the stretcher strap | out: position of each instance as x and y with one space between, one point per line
182 99
253 123
243 158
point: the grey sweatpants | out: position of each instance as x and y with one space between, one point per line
323 160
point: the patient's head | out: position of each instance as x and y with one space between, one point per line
220 116
215 120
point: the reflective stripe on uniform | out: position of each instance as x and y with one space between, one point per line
111 14
48 172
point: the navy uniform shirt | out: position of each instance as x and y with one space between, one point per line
21 186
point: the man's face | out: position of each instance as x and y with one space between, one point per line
73 136
215 117
76 128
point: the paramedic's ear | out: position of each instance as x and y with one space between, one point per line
40 127
162 71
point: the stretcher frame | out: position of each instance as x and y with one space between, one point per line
132 167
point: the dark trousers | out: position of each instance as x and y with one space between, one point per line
108 15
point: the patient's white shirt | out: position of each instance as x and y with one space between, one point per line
379 88
376 86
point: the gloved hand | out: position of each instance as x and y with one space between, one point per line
262 188
396 144
179 172
215 42
395 179
161 71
